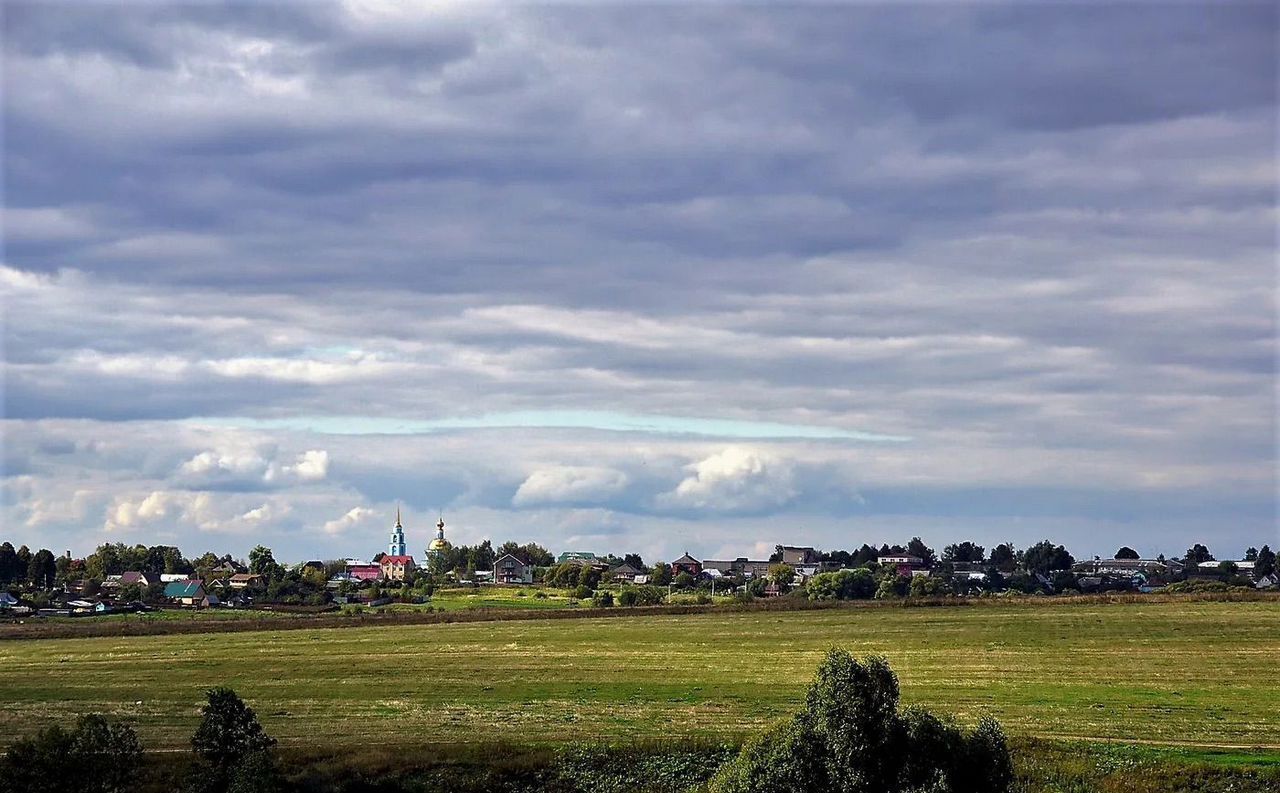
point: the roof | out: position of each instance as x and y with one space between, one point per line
686 559
133 577
624 569
184 589
901 559
397 559
570 556
512 556
244 577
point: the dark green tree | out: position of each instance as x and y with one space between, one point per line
42 570
1196 554
660 574
228 731
8 564
94 757
964 553
1003 557
263 563
1044 557
917 548
1265 564
1127 553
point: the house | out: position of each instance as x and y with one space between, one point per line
577 556
226 568
363 571
169 578
1269 581
742 566
244 580
686 564
625 573
905 563
800 556
509 569
189 592
312 564
397 567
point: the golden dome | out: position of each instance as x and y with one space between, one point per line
438 543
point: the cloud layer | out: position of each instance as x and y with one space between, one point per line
639 277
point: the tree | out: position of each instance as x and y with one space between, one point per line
858 584
634 560
784 575
1197 554
228 731
1127 553
1003 557
1266 562
1044 557
95 757
261 562
684 581
851 737
42 571
660 574
964 553
8 564
917 548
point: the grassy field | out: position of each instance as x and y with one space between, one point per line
1195 675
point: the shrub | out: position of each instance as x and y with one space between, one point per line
228 733
628 597
604 599
851 737
582 592
95 757
540 595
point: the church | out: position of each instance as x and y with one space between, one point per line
397 564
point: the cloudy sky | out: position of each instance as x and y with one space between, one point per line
647 278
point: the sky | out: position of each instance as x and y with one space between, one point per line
626 278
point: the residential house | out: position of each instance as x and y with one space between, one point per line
244 580
577 556
510 569
169 578
363 571
397 567
742 566
625 573
189 592
1269 581
686 564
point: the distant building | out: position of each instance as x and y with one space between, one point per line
800 556
905 563
244 580
625 573
358 570
577 556
438 545
509 569
396 546
747 568
189 592
397 568
686 564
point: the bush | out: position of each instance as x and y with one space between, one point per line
229 734
540 595
851 737
628 597
582 592
857 584
95 757
604 599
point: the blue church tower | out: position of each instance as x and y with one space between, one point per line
396 546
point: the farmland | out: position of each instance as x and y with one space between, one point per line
1188 674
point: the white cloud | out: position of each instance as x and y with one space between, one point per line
354 517
310 466
569 483
736 479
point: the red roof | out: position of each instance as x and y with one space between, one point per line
396 560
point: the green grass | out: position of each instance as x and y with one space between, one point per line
1192 677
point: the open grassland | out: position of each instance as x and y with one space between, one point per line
1188 674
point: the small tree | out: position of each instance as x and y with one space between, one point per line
94 757
1265 564
228 731
684 581
1127 553
784 575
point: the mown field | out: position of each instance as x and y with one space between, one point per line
1190 674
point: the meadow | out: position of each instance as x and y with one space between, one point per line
1196 676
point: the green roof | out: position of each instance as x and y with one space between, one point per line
182 589
570 556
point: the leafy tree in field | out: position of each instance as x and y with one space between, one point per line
851 737
1127 553
893 585
684 581
858 584
1251 554
1265 563
582 592
228 732
95 757
604 599
628 597
634 560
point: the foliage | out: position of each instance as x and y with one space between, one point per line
684 581
42 570
965 553
917 548
784 575
603 599
1265 564
1044 557
851 737
1196 554
640 596
94 757
1126 552
857 584
228 731
1003 557
660 574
